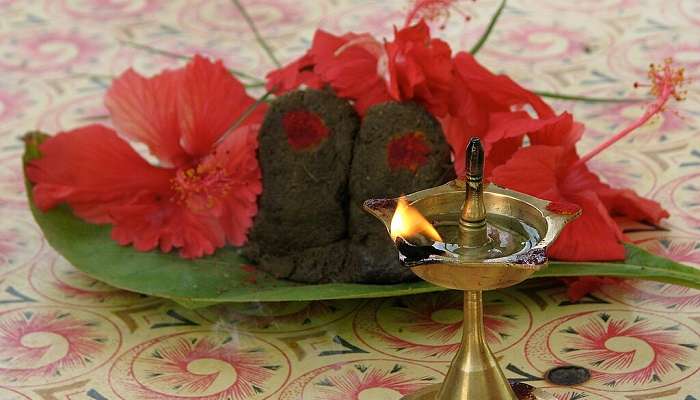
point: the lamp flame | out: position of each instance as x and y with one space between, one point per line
408 222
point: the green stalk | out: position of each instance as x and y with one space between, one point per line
475 49
243 117
561 96
258 37
170 54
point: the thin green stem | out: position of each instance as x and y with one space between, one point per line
254 85
154 50
243 117
258 37
587 99
475 49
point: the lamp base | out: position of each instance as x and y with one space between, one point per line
522 390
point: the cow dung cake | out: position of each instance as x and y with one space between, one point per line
319 163
399 149
305 150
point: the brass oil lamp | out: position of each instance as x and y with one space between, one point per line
460 236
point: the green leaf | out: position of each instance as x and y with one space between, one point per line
638 263
226 277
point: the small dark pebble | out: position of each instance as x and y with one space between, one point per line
568 375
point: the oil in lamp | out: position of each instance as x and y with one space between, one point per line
460 236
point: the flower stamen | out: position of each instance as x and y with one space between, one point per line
434 10
202 188
666 83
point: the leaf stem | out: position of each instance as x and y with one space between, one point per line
171 54
475 49
587 99
246 113
258 37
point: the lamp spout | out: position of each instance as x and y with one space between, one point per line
382 209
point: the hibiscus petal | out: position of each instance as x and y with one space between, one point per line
238 156
593 236
531 170
535 170
92 169
499 88
626 202
144 110
209 102
350 65
420 68
151 222
558 131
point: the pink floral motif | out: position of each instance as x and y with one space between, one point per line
104 10
687 8
12 191
613 117
591 346
534 42
655 295
10 105
272 17
589 6
58 280
39 345
20 241
353 382
377 17
419 315
685 53
47 51
682 251
9 394
63 115
613 174
364 379
169 367
201 365
564 393
7 246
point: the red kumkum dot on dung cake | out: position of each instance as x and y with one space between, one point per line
409 151
304 129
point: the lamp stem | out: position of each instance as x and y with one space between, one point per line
474 372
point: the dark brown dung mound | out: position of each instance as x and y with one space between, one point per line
400 149
305 153
319 166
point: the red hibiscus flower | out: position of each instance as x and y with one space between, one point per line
546 172
349 64
555 172
419 68
202 194
481 104
357 67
